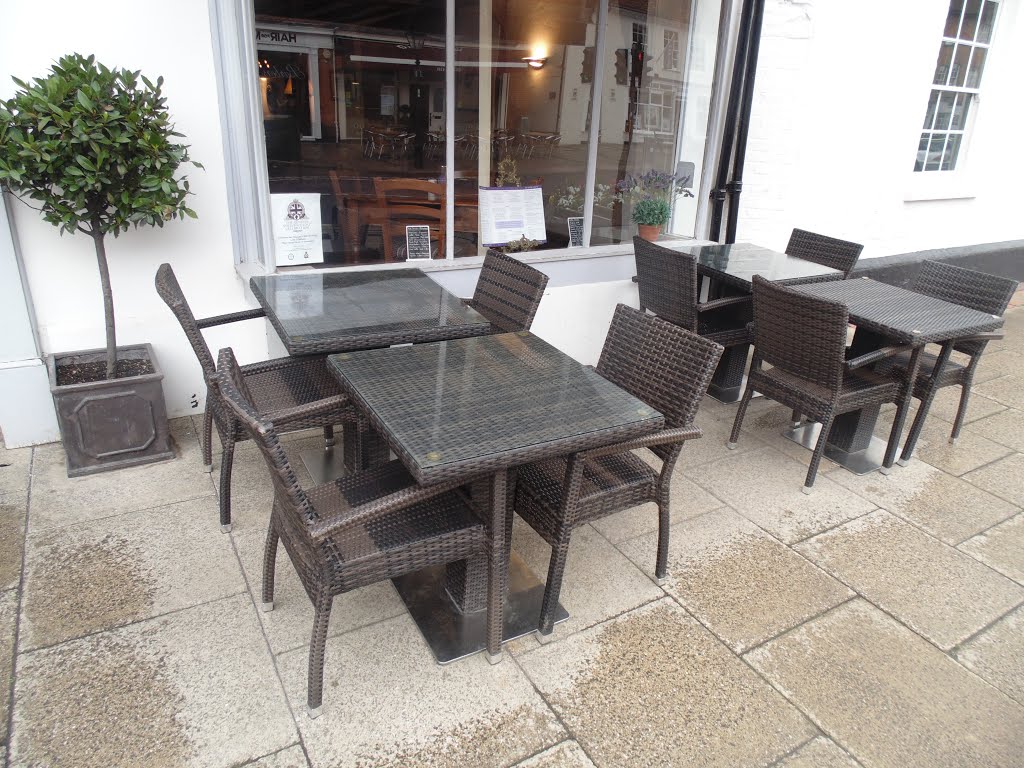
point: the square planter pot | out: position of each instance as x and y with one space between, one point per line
112 423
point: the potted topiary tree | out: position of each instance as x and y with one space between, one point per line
95 148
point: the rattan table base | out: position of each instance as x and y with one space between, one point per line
452 634
730 376
860 461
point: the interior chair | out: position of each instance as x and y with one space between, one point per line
402 202
803 339
508 292
824 250
277 386
669 369
369 526
969 288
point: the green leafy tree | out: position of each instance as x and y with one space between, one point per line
96 149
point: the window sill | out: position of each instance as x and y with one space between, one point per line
939 185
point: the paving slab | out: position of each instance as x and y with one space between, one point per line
765 487
1005 390
110 572
8 628
1000 547
58 500
889 697
711 447
947 402
292 757
568 754
195 688
1005 427
997 363
290 624
737 580
388 703
654 688
14 470
934 589
997 654
970 451
819 753
13 508
1004 478
946 506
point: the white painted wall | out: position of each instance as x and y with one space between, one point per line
840 97
173 40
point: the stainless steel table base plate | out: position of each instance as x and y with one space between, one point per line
324 464
452 635
859 462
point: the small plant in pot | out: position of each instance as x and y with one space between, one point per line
93 149
651 195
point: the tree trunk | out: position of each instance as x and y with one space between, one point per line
108 301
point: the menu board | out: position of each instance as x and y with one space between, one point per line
510 213
575 231
298 238
417 241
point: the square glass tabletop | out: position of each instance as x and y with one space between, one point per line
340 311
737 264
472 405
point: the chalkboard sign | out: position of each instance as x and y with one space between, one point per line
417 241
575 231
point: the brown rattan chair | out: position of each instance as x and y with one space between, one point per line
667 283
508 292
668 368
804 340
276 385
986 293
824 250
369 526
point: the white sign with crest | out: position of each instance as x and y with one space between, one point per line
298 238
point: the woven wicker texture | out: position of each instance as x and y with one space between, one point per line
366 527
735 264
804 340
274 385
661 364
341 311
821 249
508 292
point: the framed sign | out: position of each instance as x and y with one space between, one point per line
298 238
417 242
510 213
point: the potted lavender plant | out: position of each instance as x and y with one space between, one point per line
651 195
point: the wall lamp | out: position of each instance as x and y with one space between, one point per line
535 62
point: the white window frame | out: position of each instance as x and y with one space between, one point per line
671 64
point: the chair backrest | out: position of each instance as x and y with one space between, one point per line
666 366
824 250
667 281
402 202
508 292
967 287
800 334
169 290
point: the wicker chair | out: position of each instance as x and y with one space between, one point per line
668 368
969 288
804 340
667 283
827 251
508 292
277 385
366 527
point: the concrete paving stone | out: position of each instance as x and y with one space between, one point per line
289 625
388 703
947 401
765 487
599 581
195 688
889 697
711 447
1005 427
996 363
934 589
945 506
1005 389
14 470
114 571
997 654
12 535
654 688
1000 547
8 628
970 451
1004 478
58 500
737 580
568 754
292 757
819 753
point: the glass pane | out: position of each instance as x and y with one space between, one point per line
934 156
942 64
976 68
286 92
945 111
958 71
929 116
970 25
952 150
963 104
922 152
988 19
956 7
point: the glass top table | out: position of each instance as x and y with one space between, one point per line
737 263
316 314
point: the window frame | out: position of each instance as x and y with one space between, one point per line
673 65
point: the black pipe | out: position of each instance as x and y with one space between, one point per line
743 128
718 194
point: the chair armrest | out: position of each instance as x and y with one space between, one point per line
275 364
875 356
662 437
232 317
726 301
316 408
991 336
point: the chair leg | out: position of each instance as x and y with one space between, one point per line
661 564
896 432
917 426
738 422
796 418
315 684
328 436
961 412
208 437
269 567
819 450
227 459
498 560
556 569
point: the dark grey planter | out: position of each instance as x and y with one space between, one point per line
114 423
